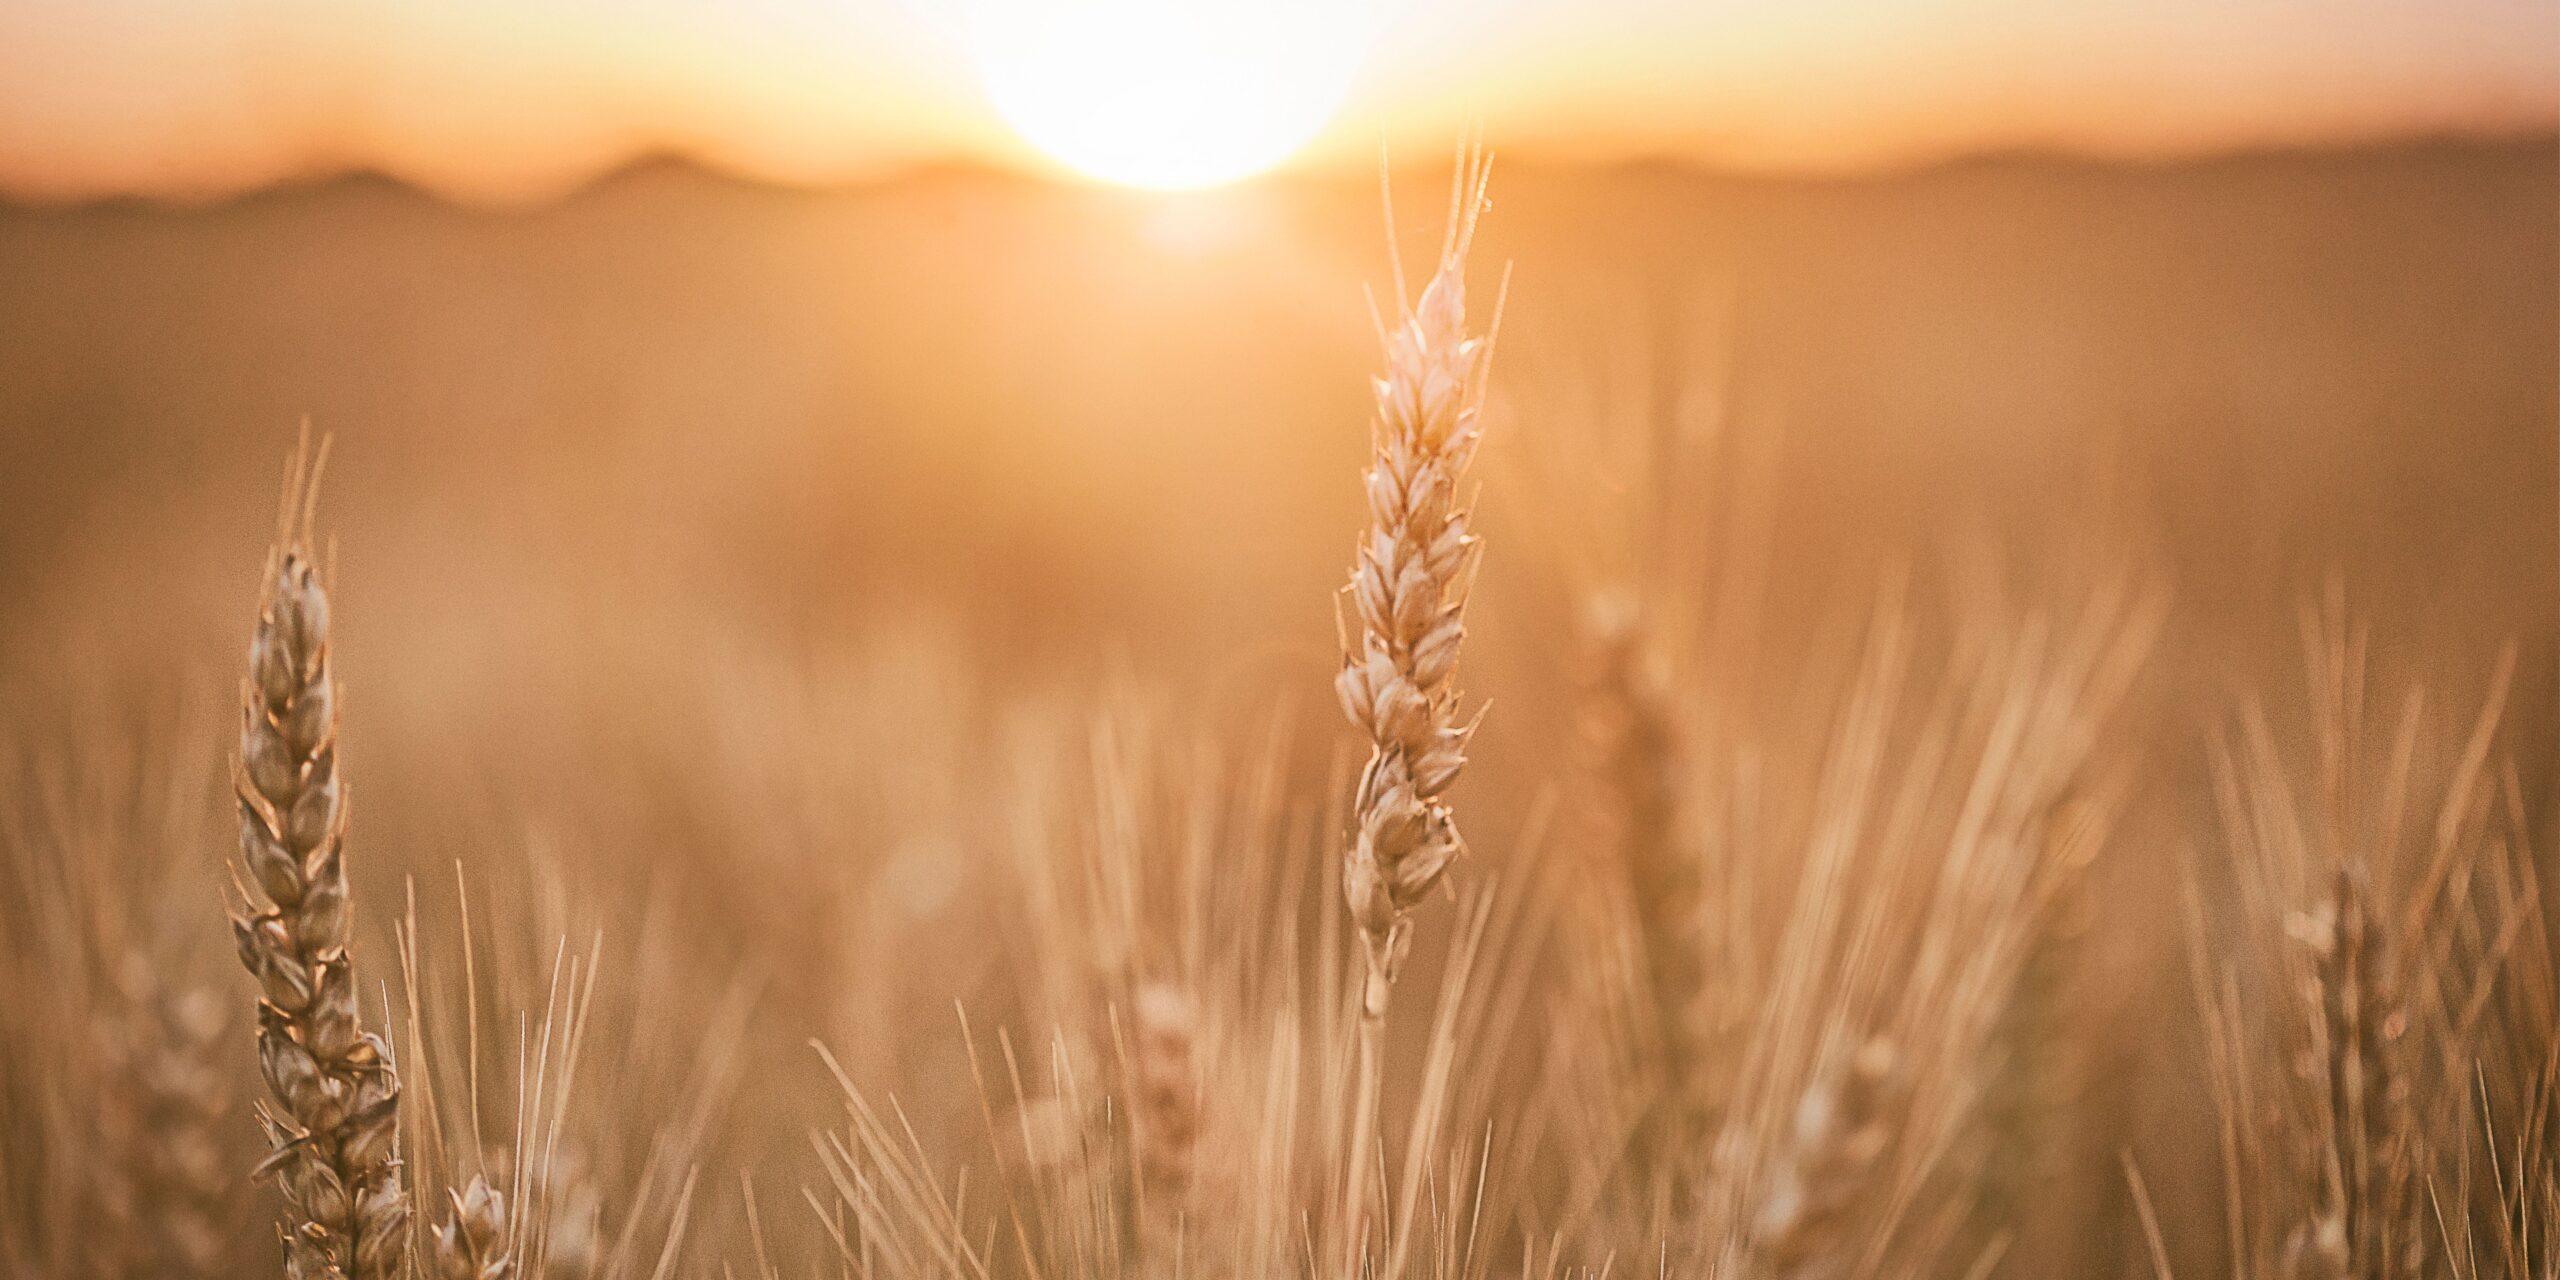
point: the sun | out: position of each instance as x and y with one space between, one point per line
1167 93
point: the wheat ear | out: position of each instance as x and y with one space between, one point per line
2360 1172
2036 1074
1165 1110
1632 734
334 1095
1833 1162
1409 583
572 1212
164 1213
472 1241
185 1102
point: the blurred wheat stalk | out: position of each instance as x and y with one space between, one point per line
2382 1019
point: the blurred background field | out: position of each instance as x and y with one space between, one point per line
706 551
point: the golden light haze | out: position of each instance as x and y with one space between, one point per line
504 100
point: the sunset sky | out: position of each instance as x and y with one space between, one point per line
511 99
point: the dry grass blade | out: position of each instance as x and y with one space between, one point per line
335 1097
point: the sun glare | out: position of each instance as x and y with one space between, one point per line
1167 93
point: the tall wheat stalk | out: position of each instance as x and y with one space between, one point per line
2378 1011
116 1128
1903 880
161 1119
334 1095
2360 1174
1410 578
1409 582
1633 738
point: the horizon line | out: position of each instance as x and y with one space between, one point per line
640 160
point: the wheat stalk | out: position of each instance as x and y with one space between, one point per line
2378 1107
2359 1168
2036 1072
472 1241
168 1101
183 1196
1409 582
334 1094
1633 738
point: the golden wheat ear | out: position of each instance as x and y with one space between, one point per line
333 1093
1832 1164
1410 576
165 1193
1634 751
472 1241
1409 583
1165 1118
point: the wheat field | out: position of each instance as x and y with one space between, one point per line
1995 721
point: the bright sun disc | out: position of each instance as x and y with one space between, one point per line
1167 93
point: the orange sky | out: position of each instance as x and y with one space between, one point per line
507 99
